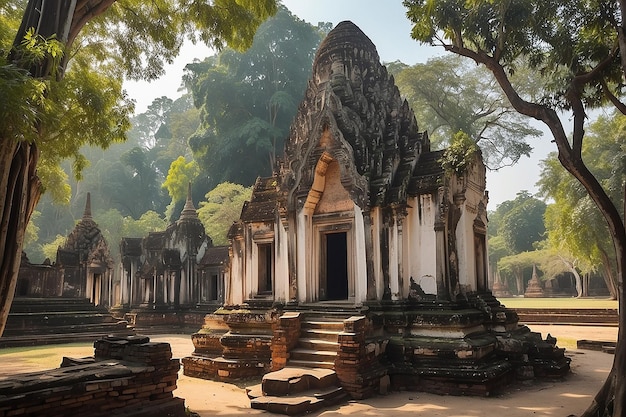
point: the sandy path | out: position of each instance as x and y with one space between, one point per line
548 398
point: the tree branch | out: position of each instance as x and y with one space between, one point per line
621 107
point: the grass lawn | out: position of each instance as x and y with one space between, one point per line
571 302
46 356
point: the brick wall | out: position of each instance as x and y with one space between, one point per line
286 335
127 376
357 364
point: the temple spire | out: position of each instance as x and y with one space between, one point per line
189 211
87 213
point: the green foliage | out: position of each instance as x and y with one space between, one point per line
523 225
449 95
140 37
181 173
248 100
222 207
515 226
556 41
498 249
22 98
462 153
50 249
114 227
32 247
86 108
520 261
34 49
574 223
84 103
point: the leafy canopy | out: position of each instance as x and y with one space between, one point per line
221 208
523 225
574 223
85 104
449 95
248 100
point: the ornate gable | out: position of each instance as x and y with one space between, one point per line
353 111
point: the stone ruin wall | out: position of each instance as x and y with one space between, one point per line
127 376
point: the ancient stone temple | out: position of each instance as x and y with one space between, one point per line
170 272
364 254
86 262
67 299
83 267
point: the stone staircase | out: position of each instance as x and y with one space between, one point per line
37 321
318 343
309 381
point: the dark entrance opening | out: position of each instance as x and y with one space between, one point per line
265 268
336 266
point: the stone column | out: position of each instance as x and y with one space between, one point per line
371 277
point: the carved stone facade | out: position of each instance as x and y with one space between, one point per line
360 207
174 270
83 267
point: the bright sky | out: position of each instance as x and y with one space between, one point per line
386 24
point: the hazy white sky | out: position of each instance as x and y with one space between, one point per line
386 24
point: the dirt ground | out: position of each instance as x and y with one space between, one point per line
570 396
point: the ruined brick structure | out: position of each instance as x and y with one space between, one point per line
67 299
128 376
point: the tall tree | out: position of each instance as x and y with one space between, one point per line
573 221
248 100
140 36
523 226
450 95
576 49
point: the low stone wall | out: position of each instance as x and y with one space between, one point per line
128 376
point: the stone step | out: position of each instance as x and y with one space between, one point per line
32 304
311 364
300 354
322 324
292 380
318 344
50 339
305 403
70 329
320 334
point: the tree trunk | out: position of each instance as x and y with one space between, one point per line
18 161
578 283
609 279
611 400
21 188
519 281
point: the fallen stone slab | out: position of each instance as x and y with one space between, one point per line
291 380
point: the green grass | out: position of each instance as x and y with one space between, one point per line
570 302
46 356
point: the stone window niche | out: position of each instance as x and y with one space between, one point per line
210 286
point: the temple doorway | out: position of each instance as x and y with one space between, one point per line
335 267
265 271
